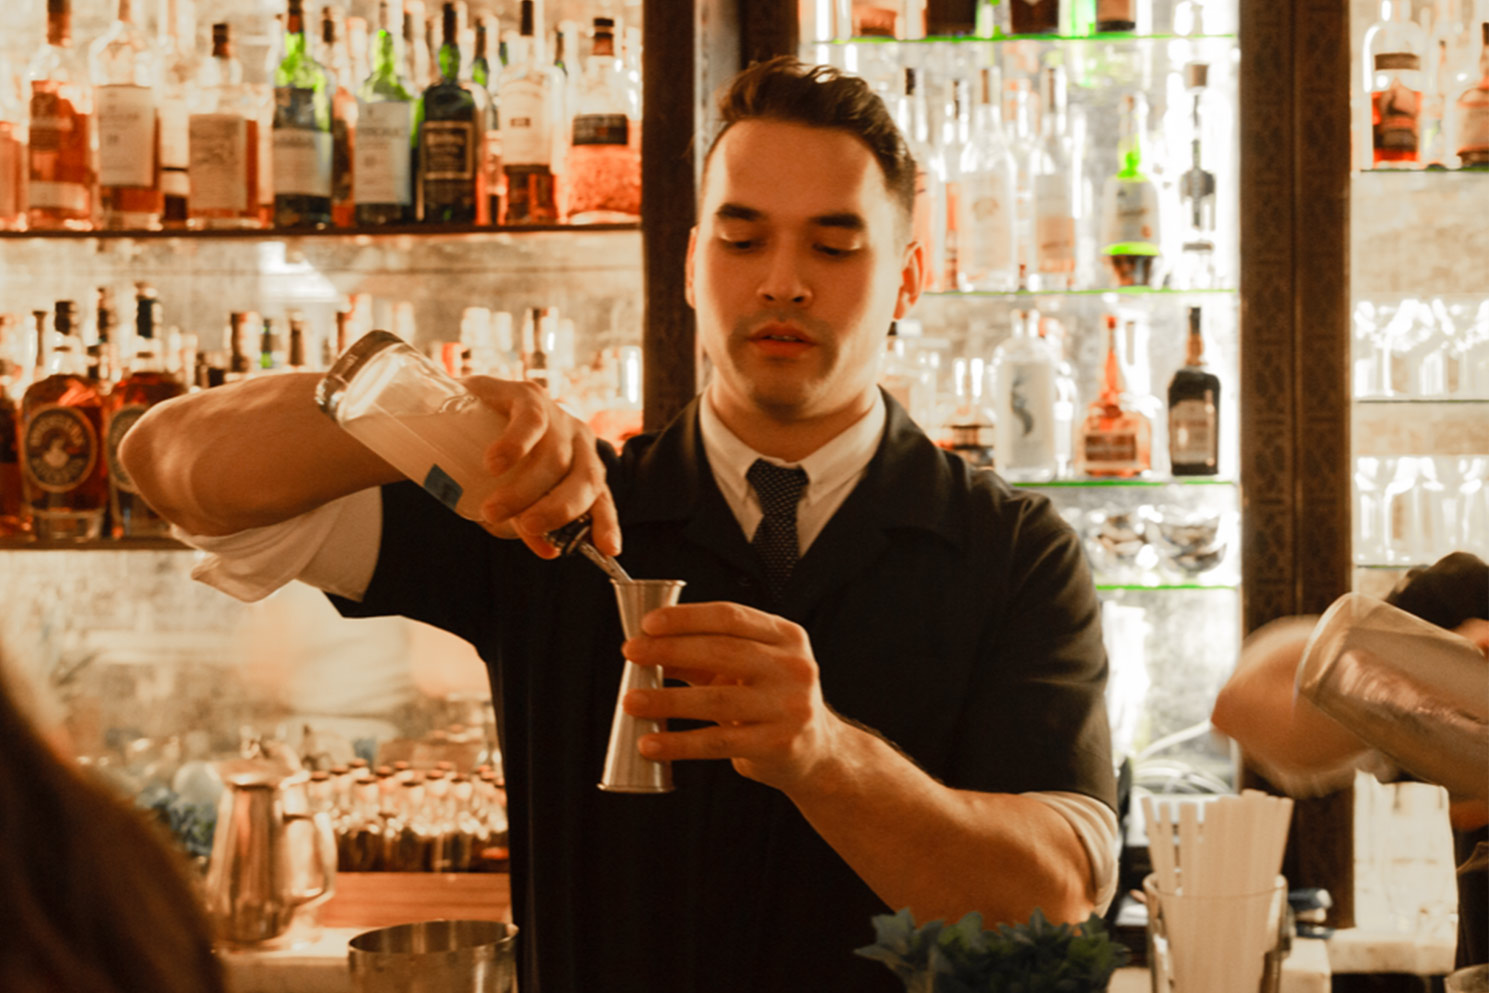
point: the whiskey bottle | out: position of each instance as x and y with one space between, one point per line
383 176
12 521
450 134
125 70
1393 79
1471 114
605 154
1034 16
146 385
302 131
12 156
528 93
335 58
1194 409
1116 16
1116 439
1130 224
1024 403
223 138
61 183
62 463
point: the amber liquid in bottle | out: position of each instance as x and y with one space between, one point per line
11 519
1034 16
1116 439
147 385
1194 410
60 150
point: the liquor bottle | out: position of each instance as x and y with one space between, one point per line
1024 403
125 70
528 94
302 131
420 69
241 356
12 521
450 133
1116 16
273 356
61 183
1194 409
605 154
1393 79
335 58
63 468
987 201
177 75
1471 114
223 140
972 423
914 126
483 76
1055 189
1197 189
1116 439
12 153
296 357
1130 224
147 384
1034 16
950 137
102 362
383 177
1437 77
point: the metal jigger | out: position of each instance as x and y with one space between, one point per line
626 770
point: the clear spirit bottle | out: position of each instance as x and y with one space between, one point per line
484 78
386 154
223 139
125 69
450 135
335 58
178 72
61 182
605 152
1194 409
1130 222
1116 439
1197 188
1024 403
1394 46
529 93
302 131
1055 189
987 202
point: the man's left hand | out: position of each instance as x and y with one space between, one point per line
753 675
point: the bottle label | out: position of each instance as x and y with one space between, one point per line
119 424
126 136
989 231
1191 430
1026 436
175 135
381 174
1397 62
447 150
527 138
61 448
602 129
219 162
1054 225
1109 451
302 162
1397 115
1131 213
1473 133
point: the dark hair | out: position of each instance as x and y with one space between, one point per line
91 895
787 90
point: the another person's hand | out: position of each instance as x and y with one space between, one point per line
752 674
549 470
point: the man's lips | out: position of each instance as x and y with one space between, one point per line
780 333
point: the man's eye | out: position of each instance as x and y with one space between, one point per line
739 244
835 252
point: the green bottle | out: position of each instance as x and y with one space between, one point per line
302 131
450 135
386 149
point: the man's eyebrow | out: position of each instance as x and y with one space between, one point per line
737 212
847 220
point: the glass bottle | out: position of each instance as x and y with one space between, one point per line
302 131
383 176
63 467
420 68
1116 16
1471 114
949 137
1194 409
177 75
147 384
223 138
1116 439
987 201
972 422
125 70
1055 189
1130 224
914 125
61 182
484 77
335 58
12 152
1197 189
1393 79
605 154
12 521
1024 403
240 360
528 92
450 133
1034 16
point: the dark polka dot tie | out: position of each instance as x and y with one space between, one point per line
775 539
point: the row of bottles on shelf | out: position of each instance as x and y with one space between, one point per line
1014 178
1412 510
395 818
345 131
824 20
1422 348
1426 86
1019 413
70 389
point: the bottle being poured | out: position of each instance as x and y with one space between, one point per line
428 426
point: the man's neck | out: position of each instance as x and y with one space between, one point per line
790 439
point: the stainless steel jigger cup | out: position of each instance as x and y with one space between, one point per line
626 770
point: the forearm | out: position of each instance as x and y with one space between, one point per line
939 851
246 455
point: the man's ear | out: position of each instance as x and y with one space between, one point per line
912 279
688 267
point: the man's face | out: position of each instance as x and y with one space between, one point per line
795 269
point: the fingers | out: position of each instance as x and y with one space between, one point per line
722 617
721 704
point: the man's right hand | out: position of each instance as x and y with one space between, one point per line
549 470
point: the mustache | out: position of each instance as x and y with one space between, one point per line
811 327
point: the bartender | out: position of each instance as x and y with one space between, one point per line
888 667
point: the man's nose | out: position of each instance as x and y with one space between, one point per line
783 282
